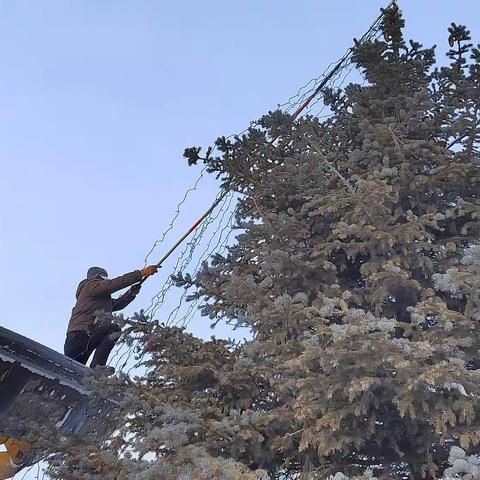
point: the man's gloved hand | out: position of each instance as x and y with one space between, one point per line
150 270
135 288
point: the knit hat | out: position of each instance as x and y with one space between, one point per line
94 272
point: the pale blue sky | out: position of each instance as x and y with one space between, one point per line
98 99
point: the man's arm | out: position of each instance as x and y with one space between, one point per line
128 297
100 287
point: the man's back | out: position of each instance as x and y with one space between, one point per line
83 313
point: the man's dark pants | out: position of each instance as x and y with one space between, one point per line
79 345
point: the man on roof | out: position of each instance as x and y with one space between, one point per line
90 328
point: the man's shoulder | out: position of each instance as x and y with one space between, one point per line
86 286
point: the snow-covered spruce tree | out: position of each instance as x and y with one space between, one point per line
356 268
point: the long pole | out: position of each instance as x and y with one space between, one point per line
190 230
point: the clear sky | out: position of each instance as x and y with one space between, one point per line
98 99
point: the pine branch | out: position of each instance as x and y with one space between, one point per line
331 166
